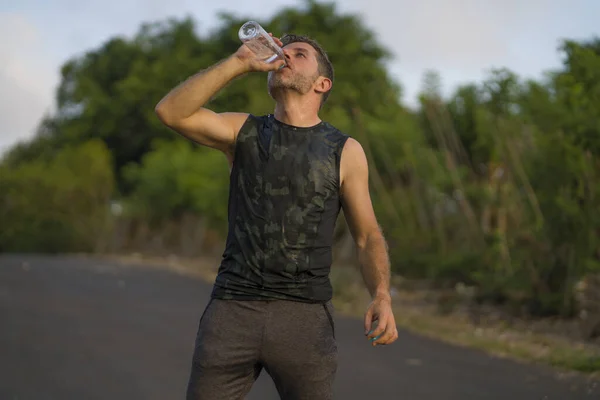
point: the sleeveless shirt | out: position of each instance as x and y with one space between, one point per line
283 205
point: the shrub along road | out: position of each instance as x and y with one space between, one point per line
75 328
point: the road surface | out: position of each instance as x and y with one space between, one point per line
74 328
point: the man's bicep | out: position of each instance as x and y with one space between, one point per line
212 129
356 198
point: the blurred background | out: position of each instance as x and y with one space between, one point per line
481 121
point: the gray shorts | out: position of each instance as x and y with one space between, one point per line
294 342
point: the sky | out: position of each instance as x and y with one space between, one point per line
461 39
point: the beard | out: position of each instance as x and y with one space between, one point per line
278 82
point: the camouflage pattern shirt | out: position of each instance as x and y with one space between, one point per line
283 205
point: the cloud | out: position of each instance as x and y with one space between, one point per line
454 34
464 39
25 78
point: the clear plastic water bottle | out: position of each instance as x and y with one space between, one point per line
260 42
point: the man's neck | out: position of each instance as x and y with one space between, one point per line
296 112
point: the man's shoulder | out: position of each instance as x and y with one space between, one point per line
353 147
334 132
253 124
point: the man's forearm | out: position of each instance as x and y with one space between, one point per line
375 265
188 97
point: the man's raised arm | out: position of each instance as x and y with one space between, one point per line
182 109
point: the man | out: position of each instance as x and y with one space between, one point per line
290 174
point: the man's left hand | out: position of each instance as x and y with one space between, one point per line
380 310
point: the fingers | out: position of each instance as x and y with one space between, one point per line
272 66
263 66
279 64
389 335
386 331
368 320
374 335
276 39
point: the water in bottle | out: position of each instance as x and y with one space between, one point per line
260 42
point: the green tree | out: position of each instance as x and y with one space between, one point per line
175 179
577 90
58 205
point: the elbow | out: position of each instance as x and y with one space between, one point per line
361 242
165 116
369 239
161 112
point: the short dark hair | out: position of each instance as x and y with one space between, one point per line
325 65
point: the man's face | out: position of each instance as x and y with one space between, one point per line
301 70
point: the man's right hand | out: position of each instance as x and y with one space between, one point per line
252 64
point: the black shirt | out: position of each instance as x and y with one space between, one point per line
283 205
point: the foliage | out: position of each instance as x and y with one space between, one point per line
176 178
58 205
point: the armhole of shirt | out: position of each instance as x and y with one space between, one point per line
245 128
338 162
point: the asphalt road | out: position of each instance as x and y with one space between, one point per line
83 329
